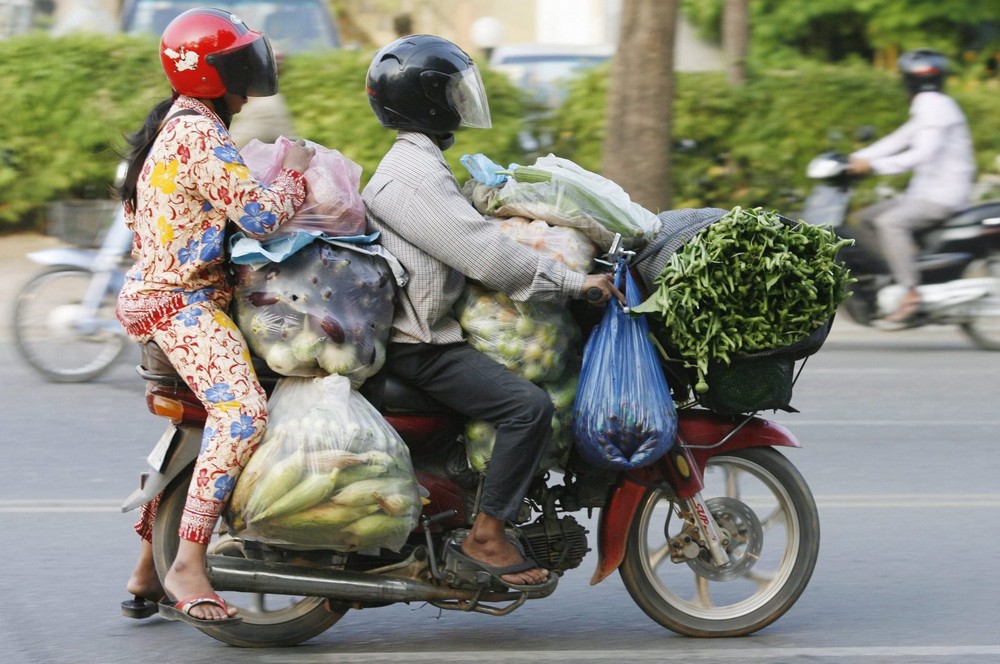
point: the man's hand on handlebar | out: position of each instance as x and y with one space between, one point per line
858 166
599 288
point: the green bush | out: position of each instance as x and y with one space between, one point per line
70 102
754 141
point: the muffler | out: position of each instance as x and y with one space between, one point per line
258 576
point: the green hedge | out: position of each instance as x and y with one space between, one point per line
754 142
69 102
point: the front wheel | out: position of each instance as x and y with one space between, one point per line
771 527
268 620
56 334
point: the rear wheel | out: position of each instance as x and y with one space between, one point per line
268 620
57 336
984 327
769 519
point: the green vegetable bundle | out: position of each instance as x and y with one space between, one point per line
750 282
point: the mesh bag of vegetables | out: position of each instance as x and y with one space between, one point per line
749 284
535 340
331 473
623 415
480 436
325 309
562 193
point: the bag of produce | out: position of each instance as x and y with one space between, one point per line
567 245
333 202
480 436
623 415
562 193
326 309
532 339
331 473
751 281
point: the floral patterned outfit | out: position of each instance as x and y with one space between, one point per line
192 185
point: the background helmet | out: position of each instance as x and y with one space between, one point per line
427 84
923 70
209 52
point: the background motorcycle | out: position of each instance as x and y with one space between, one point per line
959 260
718 538
64 317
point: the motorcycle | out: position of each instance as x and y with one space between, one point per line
64 317
718 538
958 260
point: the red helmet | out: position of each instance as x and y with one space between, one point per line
209 52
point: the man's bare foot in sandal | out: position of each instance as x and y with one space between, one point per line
188 577
487 543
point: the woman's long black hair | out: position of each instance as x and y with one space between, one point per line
141 142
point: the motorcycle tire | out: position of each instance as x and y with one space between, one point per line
268 620
984 330
768 512
47 336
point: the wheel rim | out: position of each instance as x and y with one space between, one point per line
746 497
54 337
984 328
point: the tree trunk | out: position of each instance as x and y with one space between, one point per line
736 39
640 103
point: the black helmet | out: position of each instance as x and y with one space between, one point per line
923 70
427 84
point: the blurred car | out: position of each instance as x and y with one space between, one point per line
292 25
545 70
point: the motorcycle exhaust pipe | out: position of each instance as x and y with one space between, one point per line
233 574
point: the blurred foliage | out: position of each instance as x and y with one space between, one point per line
70 102
752 143
835 30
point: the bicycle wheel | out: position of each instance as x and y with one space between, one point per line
55 334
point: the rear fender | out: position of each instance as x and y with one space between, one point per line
180 452
702 435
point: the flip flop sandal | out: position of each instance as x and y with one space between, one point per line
181 610
496 572
139 607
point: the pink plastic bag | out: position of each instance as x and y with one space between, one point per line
333 202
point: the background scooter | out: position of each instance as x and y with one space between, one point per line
959 260
64 317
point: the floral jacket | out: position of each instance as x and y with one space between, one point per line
194 184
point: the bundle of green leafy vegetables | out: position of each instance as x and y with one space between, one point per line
751 281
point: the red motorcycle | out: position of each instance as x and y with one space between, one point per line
717 538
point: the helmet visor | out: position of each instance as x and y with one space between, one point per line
249 70
467 95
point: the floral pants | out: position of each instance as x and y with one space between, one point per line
209 352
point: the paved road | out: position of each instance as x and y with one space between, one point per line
900 438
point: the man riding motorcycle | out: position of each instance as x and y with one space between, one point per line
936 145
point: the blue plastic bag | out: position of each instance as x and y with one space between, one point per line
623 415
484 170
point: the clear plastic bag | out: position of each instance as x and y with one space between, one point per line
572 196
569 246
331 473
623 415
324 310
532 339
333 202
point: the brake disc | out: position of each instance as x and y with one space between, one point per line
744 536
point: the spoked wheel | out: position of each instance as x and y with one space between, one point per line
770 527
268 620
54 333
984 328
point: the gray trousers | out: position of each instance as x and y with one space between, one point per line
893 223
461 377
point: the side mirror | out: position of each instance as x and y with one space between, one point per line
865 134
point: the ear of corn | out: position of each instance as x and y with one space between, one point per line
276 482
311 490
324 515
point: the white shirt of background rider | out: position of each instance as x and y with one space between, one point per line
935 144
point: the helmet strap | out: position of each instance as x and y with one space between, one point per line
444 141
